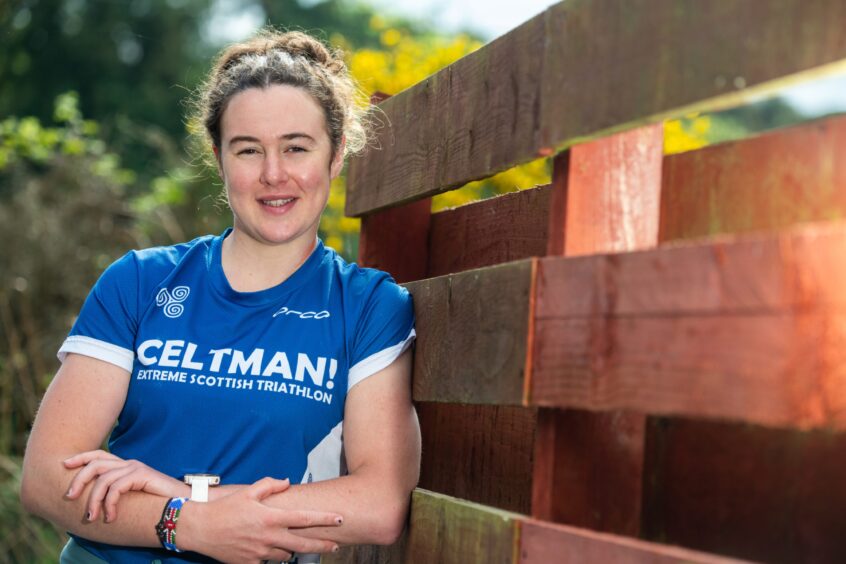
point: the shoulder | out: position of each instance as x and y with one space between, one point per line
139 272
362 285
164 259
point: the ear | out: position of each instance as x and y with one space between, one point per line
337 164
216 152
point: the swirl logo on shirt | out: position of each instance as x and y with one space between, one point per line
171 302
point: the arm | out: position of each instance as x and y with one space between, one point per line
76 414
382 447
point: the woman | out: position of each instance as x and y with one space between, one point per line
258 356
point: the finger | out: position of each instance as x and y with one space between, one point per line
130 481
297 543
268 486
303 518
84 458
90 472
101 488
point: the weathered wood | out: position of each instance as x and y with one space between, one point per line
772 181
543 543
587 469
481 453
557 219
501 229
436 131
471 344
588 466
621 62
369 554
613 188
396 240
445 529
774 495
644 332
582 68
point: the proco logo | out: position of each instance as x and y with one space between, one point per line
171 302
302 314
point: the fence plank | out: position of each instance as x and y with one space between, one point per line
541 543
471 344
587 469
638 330
481 453
396 240
437 131
643 333
613 188
501 229
773 181
445 529
774 495
582 68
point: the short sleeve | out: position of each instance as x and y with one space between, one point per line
384 331
106 326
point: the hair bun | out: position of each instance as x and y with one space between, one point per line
298 43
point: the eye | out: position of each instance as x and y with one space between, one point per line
296 149
248 151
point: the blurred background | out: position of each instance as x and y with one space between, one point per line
95 159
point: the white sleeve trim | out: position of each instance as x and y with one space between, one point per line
98 349
377 361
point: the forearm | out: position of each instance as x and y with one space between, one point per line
373 509
43 492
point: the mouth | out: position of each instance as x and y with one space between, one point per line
277 203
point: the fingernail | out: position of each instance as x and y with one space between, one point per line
335 548
339 520
68 494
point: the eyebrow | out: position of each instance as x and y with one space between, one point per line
285 137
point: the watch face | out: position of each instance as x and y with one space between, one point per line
211 479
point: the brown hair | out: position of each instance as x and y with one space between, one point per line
291 58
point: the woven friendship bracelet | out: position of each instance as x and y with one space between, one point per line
166 527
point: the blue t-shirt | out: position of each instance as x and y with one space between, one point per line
244 385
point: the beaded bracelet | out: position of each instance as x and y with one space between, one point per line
166 527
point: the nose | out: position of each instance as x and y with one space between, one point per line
273 170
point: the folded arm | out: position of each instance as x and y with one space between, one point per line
76 414
382 449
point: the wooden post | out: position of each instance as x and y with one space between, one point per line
588 468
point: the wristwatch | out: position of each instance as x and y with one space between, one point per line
200 484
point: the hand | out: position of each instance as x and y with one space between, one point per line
114 476
240 528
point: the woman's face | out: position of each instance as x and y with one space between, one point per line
276 161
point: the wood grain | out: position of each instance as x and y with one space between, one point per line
481 453
397 241
588 466
472 327
542 543
501 229
669 331
774 495
449 530
772 181
582 68
613 193
587 469
475 115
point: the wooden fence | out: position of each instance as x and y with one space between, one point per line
650 351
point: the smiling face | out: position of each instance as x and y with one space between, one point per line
275 158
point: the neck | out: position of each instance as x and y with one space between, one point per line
250 266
